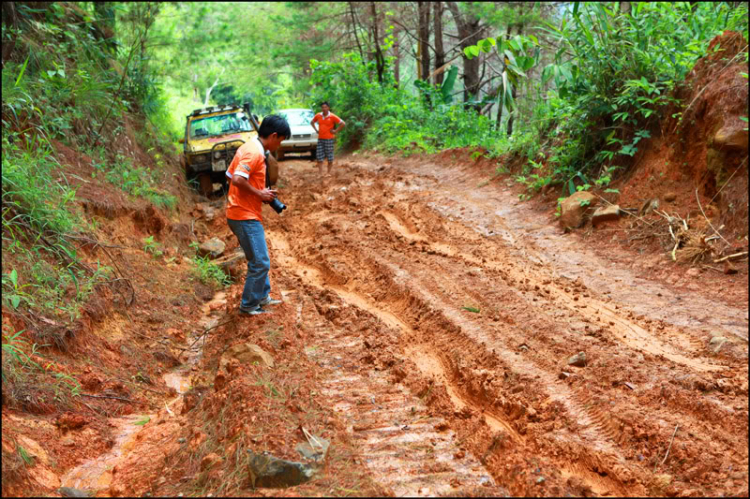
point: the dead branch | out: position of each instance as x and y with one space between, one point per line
670 445
707 220
106 397
730 257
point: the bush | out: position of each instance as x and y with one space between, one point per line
615 74
388 118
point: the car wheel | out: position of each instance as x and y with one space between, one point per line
314 154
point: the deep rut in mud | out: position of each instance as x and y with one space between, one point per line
462 298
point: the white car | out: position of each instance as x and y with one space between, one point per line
304 138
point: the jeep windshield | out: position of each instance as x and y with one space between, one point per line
220 125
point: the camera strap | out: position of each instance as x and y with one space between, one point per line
268 179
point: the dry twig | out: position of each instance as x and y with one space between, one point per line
729 257
707 220
106 397
670 446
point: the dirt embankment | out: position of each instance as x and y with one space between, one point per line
108 363
703 146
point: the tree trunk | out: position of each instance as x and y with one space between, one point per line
379 57
10 20
424 39
397 55
439 50
512 112
500 101
469 33
355 25
514 90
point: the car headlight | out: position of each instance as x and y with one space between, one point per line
199 158
217 154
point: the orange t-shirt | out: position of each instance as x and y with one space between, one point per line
248 162
326 124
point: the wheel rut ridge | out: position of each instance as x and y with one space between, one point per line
400 441
590 407
402 300
624 329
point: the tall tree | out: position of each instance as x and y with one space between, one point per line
438 35
377 41
469 33
424 40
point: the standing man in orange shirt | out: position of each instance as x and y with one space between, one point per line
247 192
326 121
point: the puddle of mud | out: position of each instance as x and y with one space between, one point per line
96 475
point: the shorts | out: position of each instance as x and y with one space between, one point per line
325 149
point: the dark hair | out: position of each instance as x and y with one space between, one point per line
274 123
325 103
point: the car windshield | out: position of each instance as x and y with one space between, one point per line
297 118
220 125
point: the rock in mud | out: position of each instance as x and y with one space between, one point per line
232 264
670 197
315 450
71 492
578 360
732 135
574 208
605 214
214 247
265 470
247 353
209 461
716 343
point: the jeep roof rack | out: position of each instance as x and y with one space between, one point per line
214 109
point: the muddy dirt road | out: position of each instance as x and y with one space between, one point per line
446 313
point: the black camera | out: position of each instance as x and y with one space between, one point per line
277 206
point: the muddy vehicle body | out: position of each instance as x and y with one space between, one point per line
212 136
304 137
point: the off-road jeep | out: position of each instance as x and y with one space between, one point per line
212 136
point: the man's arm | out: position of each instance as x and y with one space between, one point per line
341 124
265 195
314 123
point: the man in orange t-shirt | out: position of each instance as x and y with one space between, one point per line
247 193
326 121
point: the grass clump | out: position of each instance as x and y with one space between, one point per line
135 180
209 273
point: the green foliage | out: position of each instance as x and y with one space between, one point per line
14 357
151 246
138 181
614 75
210 273
143 421
62 82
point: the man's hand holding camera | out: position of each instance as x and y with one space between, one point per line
267 195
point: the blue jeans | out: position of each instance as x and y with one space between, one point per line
252 239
